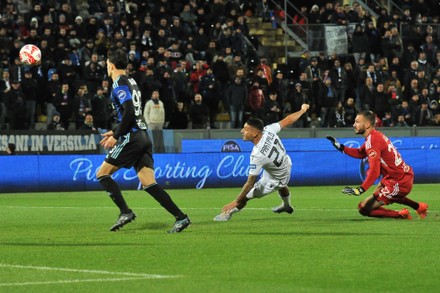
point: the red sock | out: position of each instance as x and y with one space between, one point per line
384 213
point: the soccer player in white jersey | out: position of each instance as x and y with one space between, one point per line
270 156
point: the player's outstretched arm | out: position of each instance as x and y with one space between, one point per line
292 118
241 200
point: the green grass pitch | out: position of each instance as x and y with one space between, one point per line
60 242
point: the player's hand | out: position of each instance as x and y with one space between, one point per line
353 190
339 146
305 107
108 141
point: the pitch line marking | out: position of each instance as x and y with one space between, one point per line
145 208
73 281
130 276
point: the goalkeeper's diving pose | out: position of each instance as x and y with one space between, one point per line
270 156
385 160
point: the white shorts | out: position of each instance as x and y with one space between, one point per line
267 185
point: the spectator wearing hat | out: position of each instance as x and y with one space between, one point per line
327 102
16 107
296 97
55 123
272 109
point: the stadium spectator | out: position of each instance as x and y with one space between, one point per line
381 161
87 123
100 109
236 96
154 115
179 119
327 101
199 113
276 175
16 106
54 122
209 88
272 109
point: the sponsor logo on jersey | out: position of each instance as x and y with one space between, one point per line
121 94
230 146
372 154
252 166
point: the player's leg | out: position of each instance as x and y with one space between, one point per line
405 187
104 177
372 206
285 206
146 176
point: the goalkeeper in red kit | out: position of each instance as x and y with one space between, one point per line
385 160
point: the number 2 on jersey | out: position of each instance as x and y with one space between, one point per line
276 149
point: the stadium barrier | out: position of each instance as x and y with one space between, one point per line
214 163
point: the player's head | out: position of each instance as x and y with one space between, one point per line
364 122
116 59
252 129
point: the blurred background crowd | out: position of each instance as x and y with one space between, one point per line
196 62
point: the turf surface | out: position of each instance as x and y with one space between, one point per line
60 242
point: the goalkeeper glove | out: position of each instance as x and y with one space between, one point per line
336 144
353 190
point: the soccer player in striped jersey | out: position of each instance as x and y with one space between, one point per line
385 160
130 146
269 155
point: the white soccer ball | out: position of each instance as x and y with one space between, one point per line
30 54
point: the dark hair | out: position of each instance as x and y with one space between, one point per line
118 57
256 123
369 115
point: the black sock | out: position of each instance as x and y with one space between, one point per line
114 192
162 197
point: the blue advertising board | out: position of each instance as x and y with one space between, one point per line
319 164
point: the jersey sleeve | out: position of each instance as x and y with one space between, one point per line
274 127
373 172
255 165
122 93
358 153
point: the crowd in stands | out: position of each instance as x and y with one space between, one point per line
195 59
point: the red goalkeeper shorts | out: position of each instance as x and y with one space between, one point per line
392 189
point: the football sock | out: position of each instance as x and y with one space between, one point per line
162 197
285 199
114 192
406 201
384 213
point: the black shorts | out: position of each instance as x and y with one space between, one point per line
132 150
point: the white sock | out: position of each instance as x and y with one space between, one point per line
234 210
285 199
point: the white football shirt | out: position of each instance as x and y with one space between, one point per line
270 155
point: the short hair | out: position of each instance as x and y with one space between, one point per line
118 57
369 115
256 123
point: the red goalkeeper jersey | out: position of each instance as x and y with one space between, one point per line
383 158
